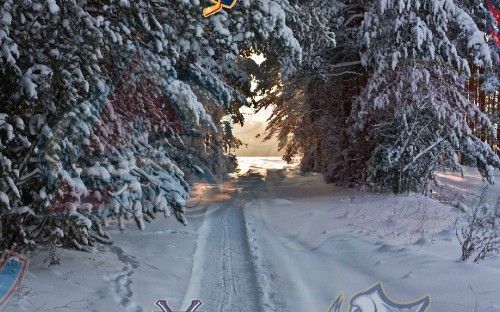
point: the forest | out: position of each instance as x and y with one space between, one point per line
109 107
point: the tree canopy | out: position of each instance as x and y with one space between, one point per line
108 105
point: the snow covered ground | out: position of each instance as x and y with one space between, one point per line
325 240
273 240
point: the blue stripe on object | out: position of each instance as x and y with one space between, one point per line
9 275
228 2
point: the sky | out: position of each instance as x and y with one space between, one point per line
255 123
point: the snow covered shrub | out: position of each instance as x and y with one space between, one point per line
480 236
411 122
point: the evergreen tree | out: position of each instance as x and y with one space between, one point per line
373 39
413 122
91 94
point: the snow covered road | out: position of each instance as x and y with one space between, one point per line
226 278
227 281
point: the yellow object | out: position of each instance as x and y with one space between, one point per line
217 7
213 9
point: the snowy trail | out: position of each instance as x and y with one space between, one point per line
228 281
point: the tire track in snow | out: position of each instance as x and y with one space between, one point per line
224 275
227 281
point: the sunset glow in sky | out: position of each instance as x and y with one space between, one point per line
255 123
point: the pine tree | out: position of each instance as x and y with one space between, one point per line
413 122
92 92
323 124
429 30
